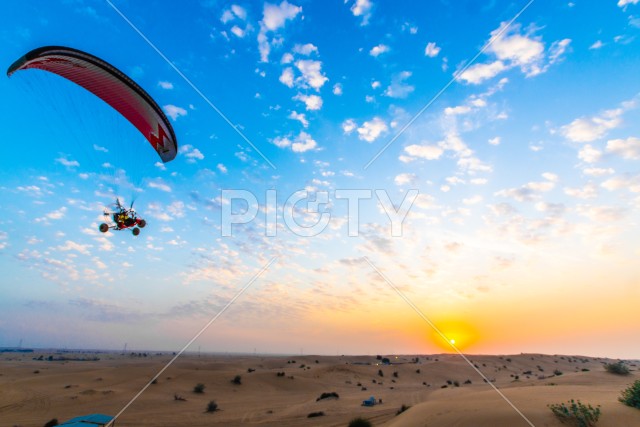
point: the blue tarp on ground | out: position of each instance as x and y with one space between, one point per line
91 420
369 402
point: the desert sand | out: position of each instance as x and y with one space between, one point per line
34 391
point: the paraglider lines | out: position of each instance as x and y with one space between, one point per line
195 337
444 337
193 86
454 79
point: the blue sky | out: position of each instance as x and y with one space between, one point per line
526 167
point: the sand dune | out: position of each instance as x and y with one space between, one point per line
35 391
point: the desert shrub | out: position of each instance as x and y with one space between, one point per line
618 368
51 423
417 371
557 372
237 380
199 388
380 373
402 409
631 395
315 414
360 422
333 394
212 406
467 382
576 413
395 374
250 370
179 398
456 383
280 374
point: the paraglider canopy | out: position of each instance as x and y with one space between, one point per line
112 86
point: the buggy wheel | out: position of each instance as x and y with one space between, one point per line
103 228
135 231
142 223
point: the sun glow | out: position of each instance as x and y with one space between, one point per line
456 334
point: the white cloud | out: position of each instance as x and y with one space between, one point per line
165 85
349 126
227 16
587 129
427 152
626 148
287 58
239 11
495 141
55 215
222 168
337 89
312 102
371 130
286 78
589 154
398 88
431 50
99 148
303 143
480 72
378 50
192 154
159 184
305 49
4 237
528 192
375 85
598 171
299 117
281 142
362 8
237 31
67 163
405 178
628 182
589 191
624 3
460 109
174 112
596 45
472 200
274 17
513 49
73 246
516 48
312 73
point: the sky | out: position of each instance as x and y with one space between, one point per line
508 151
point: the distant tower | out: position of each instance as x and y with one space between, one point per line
124 350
